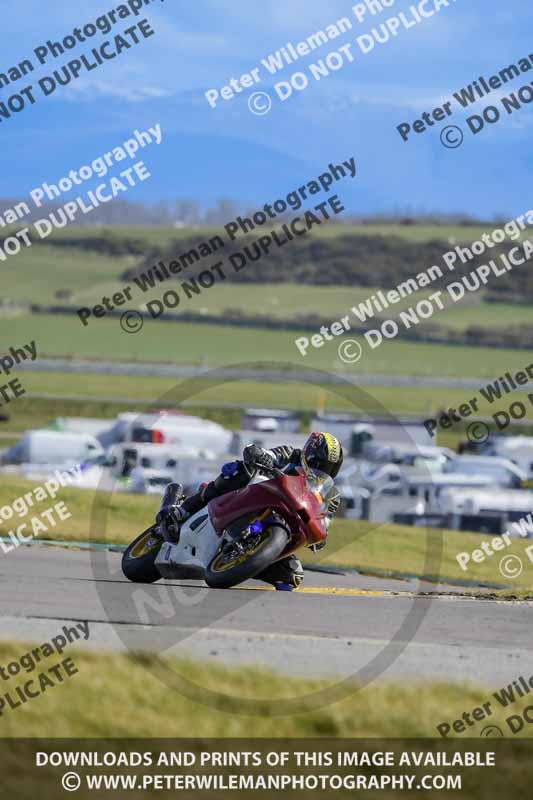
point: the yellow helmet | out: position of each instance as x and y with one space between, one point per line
323 452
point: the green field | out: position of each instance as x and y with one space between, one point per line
98 395
214 345
499 316
90 276
287 301
36 275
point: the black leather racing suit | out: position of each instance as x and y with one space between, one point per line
235 476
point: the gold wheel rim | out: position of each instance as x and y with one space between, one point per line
144 545
216 566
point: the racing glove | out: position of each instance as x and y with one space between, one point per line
283 453
255 456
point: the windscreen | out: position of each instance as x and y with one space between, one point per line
322 486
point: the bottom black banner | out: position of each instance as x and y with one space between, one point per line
236 768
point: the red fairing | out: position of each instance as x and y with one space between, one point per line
288 495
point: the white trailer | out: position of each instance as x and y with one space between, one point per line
518 449
513 506
123 458
501 470
169 429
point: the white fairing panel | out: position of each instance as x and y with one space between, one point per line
197 545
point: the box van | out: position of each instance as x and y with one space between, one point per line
53 447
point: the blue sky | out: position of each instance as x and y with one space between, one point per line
207 153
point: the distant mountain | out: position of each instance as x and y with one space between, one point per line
201 166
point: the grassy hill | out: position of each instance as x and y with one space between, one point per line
78 266
77 258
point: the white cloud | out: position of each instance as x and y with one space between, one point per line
131 93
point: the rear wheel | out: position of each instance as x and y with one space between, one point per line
138 560
245 557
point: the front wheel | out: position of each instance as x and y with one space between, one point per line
138 560
244 558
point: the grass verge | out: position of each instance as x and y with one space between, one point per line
115 695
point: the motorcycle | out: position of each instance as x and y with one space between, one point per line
240 534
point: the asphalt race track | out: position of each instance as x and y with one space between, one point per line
336 625
103 367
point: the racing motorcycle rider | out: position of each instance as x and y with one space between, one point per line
321 451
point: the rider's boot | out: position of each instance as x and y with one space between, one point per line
284 575
171 515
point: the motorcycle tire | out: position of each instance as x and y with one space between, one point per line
229 568
138 560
